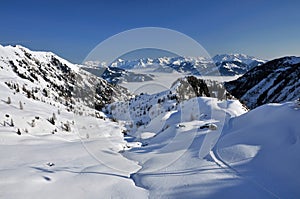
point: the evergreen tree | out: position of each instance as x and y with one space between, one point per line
54 116
21 105
12 122
33 123
8 100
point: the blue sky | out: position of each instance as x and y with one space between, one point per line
265 29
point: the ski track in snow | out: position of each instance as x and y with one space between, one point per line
199 148
226 166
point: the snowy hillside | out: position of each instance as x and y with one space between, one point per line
46 145
274 81
141 109
49 158
43 76
255 157
65 133
264 151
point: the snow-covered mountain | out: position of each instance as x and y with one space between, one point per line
236 64
188 65
181 155
49 125
227 64
246 59
115 75
44 76
273 82
189 141
141 109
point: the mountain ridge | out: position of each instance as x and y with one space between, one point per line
44 75
274 81
124 70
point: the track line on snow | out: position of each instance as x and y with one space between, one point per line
221 163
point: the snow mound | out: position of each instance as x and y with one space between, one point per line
264 145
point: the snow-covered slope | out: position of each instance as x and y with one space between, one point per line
176 160
262 147
43 76
45 147
255 157
48 161
274 81
141 109
178 143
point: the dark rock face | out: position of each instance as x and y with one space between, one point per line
189 87
273 82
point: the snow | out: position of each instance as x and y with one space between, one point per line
263 145
46 160
181 65
241 154
25 173
293 60
255 157
236 57
161 81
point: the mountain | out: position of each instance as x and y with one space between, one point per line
44 76
141 109
227 65
49 127
273 82
189 65
246 59
189 141
235 64
185 145
115 75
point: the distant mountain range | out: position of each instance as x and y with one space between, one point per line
123 70
236 64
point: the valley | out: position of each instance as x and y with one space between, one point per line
66 133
